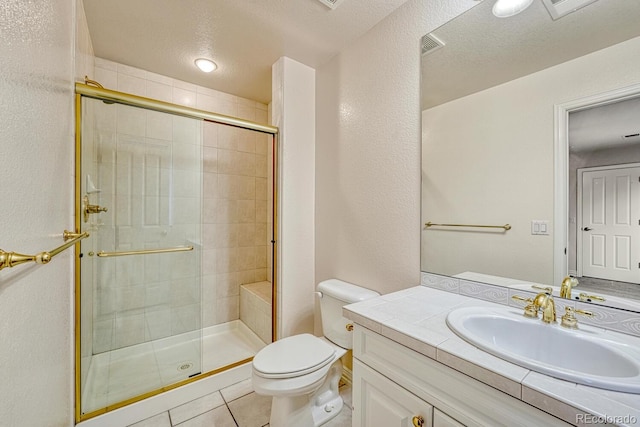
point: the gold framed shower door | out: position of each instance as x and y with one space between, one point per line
165 107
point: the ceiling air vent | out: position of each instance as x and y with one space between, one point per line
430 44
332 4
559 8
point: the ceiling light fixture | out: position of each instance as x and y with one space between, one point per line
205 65
507 8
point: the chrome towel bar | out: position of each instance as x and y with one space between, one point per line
11 259
103 254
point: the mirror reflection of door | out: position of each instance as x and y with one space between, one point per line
610 206
604 202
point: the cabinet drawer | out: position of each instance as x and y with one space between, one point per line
467 400
440 419
379 402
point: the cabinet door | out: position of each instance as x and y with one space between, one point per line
440 419
379 402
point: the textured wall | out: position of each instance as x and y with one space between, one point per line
36 164
368 152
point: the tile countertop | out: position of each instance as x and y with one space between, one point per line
416 318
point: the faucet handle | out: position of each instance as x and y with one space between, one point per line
547 289
588 298
530 310
569 319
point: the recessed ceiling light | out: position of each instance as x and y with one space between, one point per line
507 8
205 65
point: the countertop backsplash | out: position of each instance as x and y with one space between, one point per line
626 322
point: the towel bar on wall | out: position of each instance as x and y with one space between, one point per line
504 227
11 259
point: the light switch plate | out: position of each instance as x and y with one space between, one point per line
540 227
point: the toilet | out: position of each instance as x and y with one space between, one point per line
302 372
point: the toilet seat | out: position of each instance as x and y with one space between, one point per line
293 356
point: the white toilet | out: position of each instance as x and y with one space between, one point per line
302 372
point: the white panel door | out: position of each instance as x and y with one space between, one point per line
379 402
610 224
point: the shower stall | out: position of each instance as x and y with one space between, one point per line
176 279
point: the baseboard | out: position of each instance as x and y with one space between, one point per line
573 273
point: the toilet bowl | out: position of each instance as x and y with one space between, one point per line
302 372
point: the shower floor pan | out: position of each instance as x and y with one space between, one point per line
128 372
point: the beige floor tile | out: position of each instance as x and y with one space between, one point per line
251 410
219 417
195 407
237 390
342 420
160 420
345 392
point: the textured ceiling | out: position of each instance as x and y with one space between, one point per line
482 51
606 126
244 37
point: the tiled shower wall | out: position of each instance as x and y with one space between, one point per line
236 219
235 216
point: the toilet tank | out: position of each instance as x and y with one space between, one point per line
334 295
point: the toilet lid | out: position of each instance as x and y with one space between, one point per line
293 356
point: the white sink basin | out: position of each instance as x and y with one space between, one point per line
589 357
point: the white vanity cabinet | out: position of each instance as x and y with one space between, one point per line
392 384
440 419
383 403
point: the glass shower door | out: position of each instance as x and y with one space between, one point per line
141 192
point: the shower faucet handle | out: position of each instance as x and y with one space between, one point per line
89 209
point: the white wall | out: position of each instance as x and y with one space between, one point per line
36 164
502 149
368 151
293 110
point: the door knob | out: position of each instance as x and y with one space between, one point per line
587 229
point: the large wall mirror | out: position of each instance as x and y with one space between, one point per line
525 121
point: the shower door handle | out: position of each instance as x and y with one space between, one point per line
104 254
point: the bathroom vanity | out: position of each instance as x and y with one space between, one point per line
410 369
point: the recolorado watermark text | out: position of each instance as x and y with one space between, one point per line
605 419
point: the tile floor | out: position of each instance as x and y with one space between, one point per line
234 406
609 287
